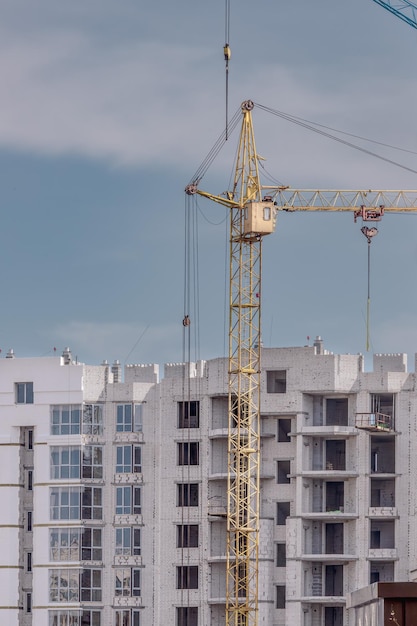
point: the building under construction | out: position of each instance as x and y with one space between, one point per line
114 488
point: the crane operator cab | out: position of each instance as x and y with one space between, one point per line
259 218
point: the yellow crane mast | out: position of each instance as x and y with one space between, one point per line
252 216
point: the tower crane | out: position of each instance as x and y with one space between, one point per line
404 9
253 210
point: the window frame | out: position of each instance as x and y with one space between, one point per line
92 419
65 419
61 470
128 500
188 453
187 493
24 393
188 414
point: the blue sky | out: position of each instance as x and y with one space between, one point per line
107 110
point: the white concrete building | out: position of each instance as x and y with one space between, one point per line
114 493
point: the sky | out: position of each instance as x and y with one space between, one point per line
108 108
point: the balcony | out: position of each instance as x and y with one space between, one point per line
383 512
382 554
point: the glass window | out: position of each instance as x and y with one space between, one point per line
187 536
30 480
127 541
92 462
29 521
188 453
124 418
187 616
93 419
92 503
65 503
127 617
127 582
64 544
91 585
187 494
24 393
128 459
128 500
74 618
187 577
63 585
91 544
64 618
90 618
189 414
66 419
65 462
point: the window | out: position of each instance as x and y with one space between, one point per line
187 494
129 418
74 618
30 480
188 453
187 577
90 618
187 616
66 419
284 429
283 511
187 536
128 541
127 617
93 419
29 521
92 462
276 381
189 414
91 544
281 555
28 603
128 459
65 462
127 582
29 441
337 412
91 585
92 503
128 500
280 597
64 544
24 393
29 561
283 472
65 503
63 585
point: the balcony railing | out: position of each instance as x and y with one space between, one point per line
374 421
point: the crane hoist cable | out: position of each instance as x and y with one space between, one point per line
227 56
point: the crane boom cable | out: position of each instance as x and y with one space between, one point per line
308 126
218 145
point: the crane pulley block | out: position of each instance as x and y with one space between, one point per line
369 214
259 218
